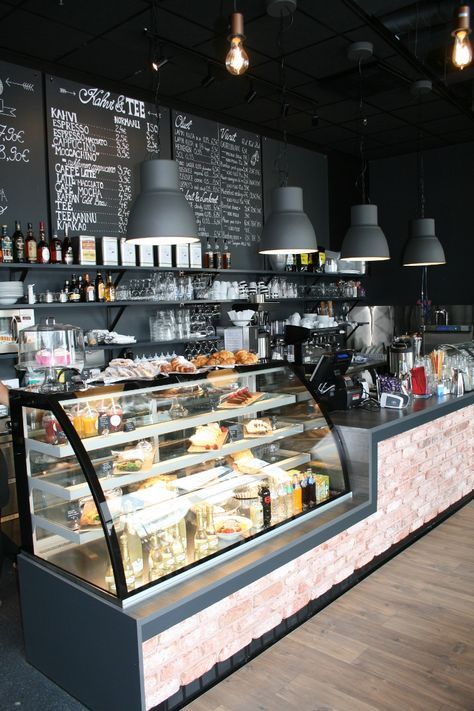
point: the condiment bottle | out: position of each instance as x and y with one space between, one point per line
297 495
212 540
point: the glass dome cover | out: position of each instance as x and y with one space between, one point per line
51 345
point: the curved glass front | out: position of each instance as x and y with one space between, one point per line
184 472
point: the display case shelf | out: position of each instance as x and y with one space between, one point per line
168 466
159 428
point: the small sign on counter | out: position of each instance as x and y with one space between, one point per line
181 256
195 255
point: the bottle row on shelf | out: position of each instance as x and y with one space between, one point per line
19 249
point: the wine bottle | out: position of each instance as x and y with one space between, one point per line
18 244
31 246
67 251
55 249
43 253
7 247
226 256
208 256
99 287
109 291
217 256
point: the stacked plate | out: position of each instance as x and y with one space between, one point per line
10 292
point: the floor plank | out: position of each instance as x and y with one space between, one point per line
401 640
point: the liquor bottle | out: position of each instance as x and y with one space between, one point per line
1 248
67 289
134 548
226 256
67 251
88 290
212 540
55 249
201 545
217 256
44 256
297 495
30 246
99 287
312 258
266 501
74 291
80 287
208 256
109 291
18 244
7 247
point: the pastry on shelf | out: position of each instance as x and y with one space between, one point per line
208 437
244 357
258 427
182 365
239 398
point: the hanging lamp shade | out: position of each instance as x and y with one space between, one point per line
364 240
160 213
423 248
288 229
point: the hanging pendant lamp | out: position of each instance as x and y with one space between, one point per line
160 213
423 248
288 229
364 241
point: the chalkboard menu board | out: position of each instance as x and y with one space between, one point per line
220 173
96 141
22 157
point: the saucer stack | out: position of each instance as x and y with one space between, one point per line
10 292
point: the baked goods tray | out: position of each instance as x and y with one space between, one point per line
225 405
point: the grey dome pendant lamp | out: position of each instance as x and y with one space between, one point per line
288 229
364 241
160 214
423 248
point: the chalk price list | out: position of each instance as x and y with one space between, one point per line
12 145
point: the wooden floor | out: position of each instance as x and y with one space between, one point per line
402 639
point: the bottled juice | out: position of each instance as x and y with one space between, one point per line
89 422
297 495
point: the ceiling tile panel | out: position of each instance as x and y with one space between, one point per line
45 39
322 59
262 34
88 16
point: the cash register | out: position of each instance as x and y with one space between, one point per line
336 390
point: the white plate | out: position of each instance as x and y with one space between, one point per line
245 523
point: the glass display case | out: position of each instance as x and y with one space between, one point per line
130 485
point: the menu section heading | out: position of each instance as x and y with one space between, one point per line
96 140
220 174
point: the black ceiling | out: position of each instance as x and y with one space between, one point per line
106 43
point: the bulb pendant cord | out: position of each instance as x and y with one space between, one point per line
156 76
360 182
281 160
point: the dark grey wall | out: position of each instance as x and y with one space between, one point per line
449 192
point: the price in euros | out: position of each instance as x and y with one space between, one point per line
13 155
9 134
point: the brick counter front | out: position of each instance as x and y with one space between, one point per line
421 473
